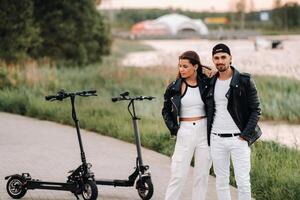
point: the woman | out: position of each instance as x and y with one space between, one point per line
184 115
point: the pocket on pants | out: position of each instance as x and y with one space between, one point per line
179 152
178 160
214 138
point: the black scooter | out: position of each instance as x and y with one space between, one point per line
140 175
80 181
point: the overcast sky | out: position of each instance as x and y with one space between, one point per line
195 5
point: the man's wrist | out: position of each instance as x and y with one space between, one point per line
242 138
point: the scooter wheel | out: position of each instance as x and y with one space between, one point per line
15 187
145 188
90 190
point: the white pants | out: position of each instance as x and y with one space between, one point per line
191 139
221 150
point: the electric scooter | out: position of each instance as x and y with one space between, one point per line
80 181
140 176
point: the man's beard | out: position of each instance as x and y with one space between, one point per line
222 68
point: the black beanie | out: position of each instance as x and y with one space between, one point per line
221 48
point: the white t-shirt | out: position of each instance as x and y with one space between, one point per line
223 122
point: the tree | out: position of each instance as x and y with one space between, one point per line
241 9
286 16
277 4
18 32
62 31
72 31
252 6
292 11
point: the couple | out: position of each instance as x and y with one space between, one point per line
214 119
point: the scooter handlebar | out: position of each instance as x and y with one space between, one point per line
149 98
50 97
141 98
124 96
87 93
91 91
115 99
59 96
62 95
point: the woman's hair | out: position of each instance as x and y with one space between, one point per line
193 58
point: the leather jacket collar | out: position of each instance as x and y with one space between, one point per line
234 81
176 87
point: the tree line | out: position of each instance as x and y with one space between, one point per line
282 17
60 31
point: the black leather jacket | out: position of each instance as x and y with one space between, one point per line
243 105
172 97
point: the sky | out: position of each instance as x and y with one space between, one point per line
193 5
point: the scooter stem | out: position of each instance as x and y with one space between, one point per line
137 141
76 121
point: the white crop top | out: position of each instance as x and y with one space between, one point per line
191 103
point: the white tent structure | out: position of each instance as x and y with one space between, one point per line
179 23
170 24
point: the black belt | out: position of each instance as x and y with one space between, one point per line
226 134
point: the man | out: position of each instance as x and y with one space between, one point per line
233 110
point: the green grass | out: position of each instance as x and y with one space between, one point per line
275 173
279 97
275 169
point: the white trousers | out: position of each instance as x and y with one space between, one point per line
222 148
191 140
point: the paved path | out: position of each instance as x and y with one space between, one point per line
48 150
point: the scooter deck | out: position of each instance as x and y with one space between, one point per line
33 184
115 182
